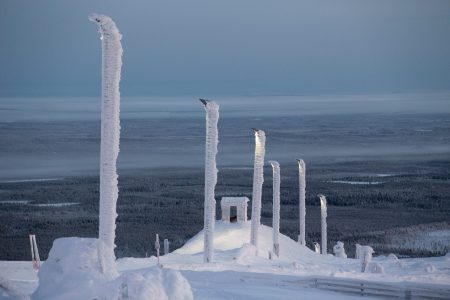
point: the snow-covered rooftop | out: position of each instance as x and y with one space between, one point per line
234 201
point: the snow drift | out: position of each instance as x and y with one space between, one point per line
72 271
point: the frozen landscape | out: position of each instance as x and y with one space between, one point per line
260 197
237 273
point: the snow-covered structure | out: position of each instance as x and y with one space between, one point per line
357 251
276 206
323 219
157 247
72 272
212 140
365 257
339 250
301 203
317 247
258 179
241 204
110 135
166 246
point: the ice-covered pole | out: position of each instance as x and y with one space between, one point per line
258 179
302 196
276 206
157 246
212 139
323 217
166 246
110 134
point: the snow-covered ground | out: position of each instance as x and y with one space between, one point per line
237 273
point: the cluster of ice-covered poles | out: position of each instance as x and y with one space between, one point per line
110 136
212 117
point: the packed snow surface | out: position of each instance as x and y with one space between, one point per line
238 271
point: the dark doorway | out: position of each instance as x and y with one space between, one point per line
233 214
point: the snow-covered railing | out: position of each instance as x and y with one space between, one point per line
379 289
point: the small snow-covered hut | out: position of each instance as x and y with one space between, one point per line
241 208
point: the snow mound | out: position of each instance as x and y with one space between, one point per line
229 236
72 271
156 284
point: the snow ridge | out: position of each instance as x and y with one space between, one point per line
110 135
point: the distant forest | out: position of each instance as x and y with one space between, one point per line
407 200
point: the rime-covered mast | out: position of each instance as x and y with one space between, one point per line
212 139
302 196
110 135
258 179
276 206
323 217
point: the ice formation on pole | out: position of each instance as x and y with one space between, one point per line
110 135
258 179
323 217
166 246
36 260
317 247
212 139
358 251
339 250
302 196
276 206
157 246
365 257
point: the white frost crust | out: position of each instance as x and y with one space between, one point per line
302 196
323 217
276 206
258 179
110 135
212 140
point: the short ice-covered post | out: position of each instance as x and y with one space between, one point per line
110 135
157 246
276 206
166 246
212 140
302 196
258 179
323 218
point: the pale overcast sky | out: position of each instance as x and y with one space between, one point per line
233 47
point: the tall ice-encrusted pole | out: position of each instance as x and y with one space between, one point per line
212 139
258 179
110 135
302 196
323 218
276 206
